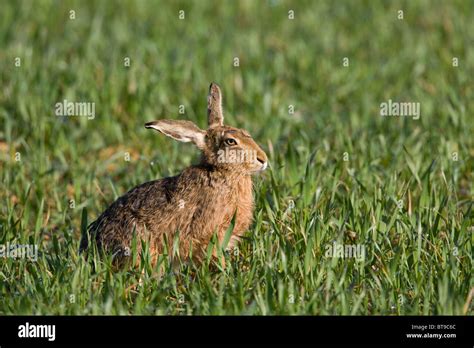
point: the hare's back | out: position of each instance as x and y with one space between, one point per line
132 211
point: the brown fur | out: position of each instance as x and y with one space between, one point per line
197 203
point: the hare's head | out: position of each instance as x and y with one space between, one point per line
223 147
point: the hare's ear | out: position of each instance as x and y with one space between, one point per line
215 117
184 131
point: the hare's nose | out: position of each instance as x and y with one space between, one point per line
263 162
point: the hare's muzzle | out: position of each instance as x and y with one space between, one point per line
263 163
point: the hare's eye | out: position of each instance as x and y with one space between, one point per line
230 142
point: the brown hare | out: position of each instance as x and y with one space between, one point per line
193 205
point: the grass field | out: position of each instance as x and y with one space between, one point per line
399 188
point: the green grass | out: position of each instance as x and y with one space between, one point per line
401 194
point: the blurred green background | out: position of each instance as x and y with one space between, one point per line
399 186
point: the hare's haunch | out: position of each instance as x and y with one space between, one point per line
193 205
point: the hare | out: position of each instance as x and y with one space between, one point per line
190 206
